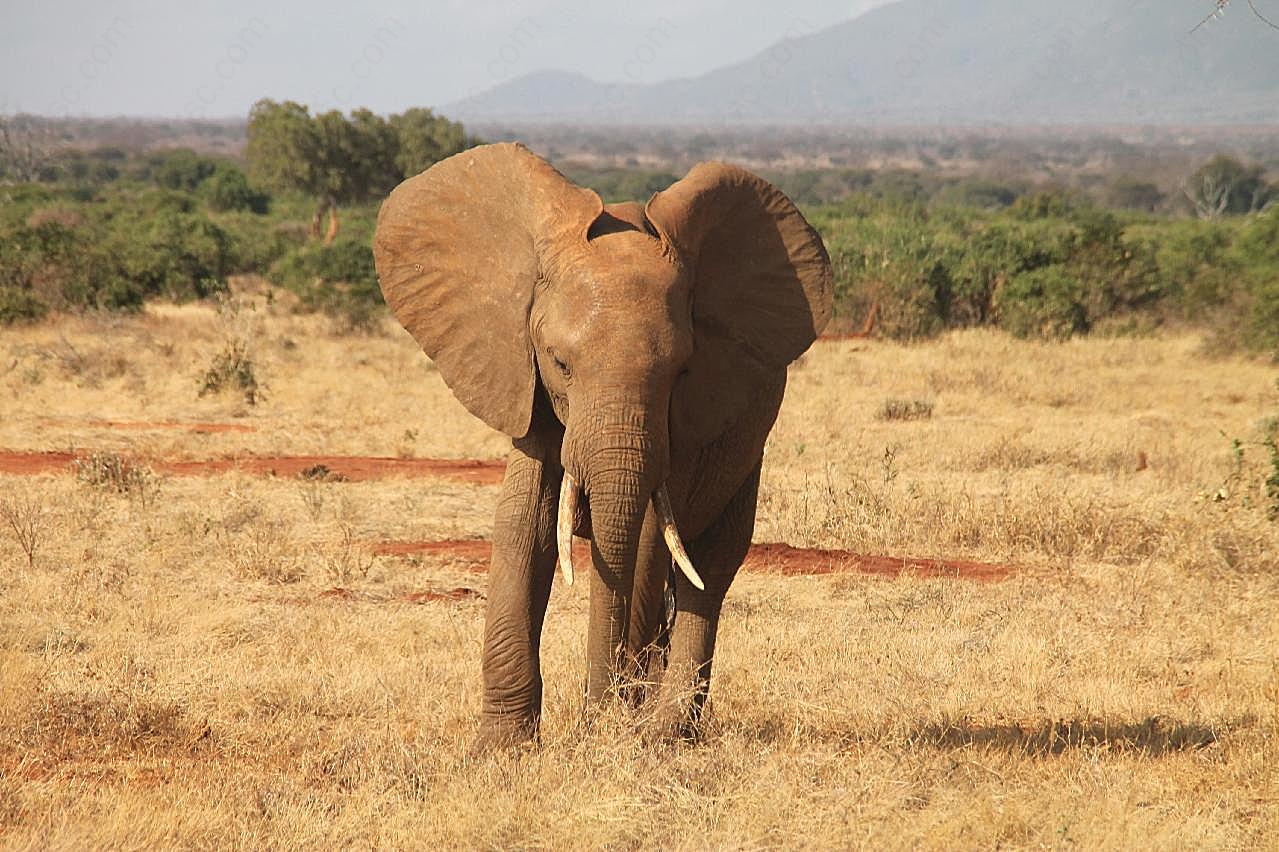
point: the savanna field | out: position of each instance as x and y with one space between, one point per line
281 655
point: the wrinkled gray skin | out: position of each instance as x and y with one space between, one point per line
631 346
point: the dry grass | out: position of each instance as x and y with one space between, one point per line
173 674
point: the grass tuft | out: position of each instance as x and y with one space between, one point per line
112 472
906 409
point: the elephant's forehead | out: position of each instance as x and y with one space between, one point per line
620 262
612 290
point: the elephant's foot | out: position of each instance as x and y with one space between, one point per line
674 715
505 735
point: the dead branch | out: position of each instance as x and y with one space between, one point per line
1220 10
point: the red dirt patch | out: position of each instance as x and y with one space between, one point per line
33 464
796 561
353 468
762 559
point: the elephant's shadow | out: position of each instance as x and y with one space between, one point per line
1153 736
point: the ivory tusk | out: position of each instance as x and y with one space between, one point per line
662 502
564 526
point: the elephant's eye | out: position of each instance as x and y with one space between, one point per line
560 365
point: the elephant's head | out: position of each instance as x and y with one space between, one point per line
640 325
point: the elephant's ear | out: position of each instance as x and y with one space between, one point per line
458 249
761 283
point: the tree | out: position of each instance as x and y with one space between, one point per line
181 168
26 148
340 159
1136 194
356 160
283 151
1224 185
424 139
228 189
373 154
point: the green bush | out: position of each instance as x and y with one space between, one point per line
176 255
45 266
1258 243
129 253
1043 302
181 168
339 279
976 192
227 189
1046 266
1189 260
890 265
1261 329
981 257
19 305
257 242
1045 204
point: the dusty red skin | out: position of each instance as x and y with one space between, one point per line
352 468
763 559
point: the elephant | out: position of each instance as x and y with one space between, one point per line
636 355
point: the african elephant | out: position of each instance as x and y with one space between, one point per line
636 355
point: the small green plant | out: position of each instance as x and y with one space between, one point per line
113 472
232 368
906 409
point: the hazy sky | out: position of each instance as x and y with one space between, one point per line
96 57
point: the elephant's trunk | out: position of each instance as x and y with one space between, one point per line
619 459
570 492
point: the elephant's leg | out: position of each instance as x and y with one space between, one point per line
717 554
523 567
646 640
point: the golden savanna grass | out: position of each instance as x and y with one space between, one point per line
171 673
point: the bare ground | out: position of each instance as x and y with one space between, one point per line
238 660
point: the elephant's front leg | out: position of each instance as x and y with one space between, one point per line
520 577
717 553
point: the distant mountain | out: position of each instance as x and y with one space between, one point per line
1016 62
